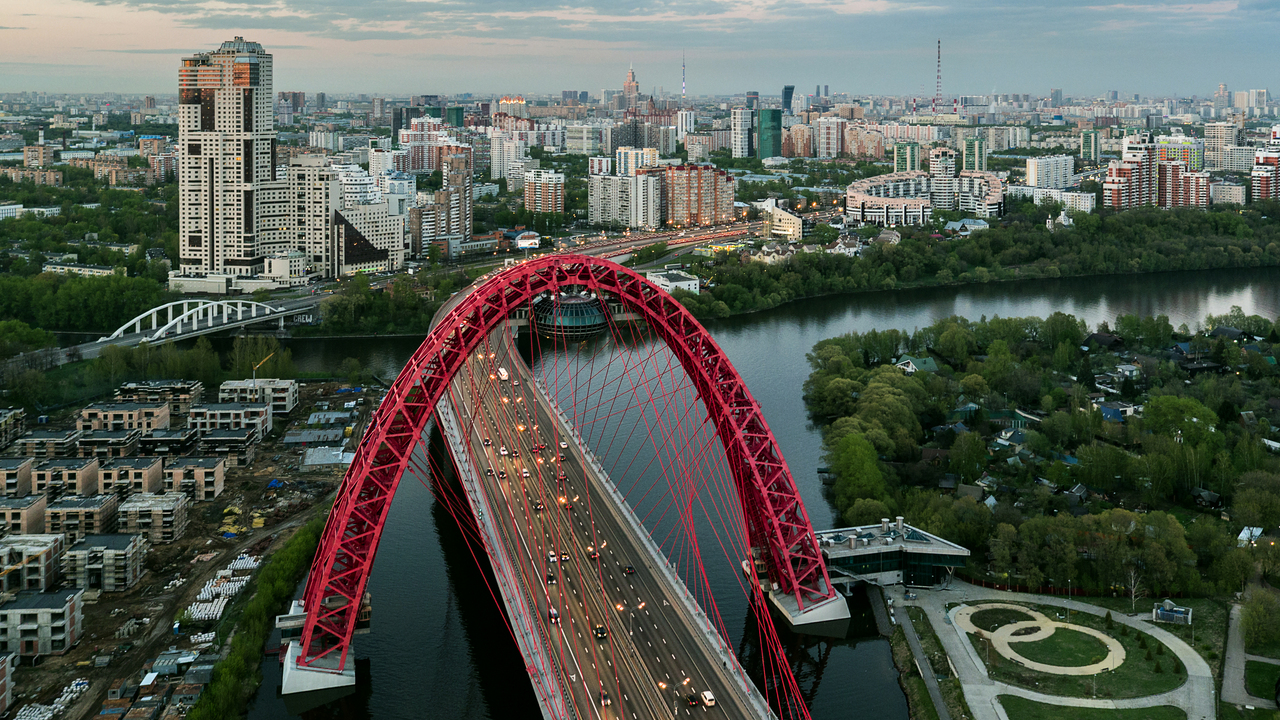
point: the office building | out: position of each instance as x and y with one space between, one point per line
33 624
1053 171
788 91
782 225
741 127
30 562
631 89
975 154
1055 97
629 160
281 394
672 280
157 517
108 563
769 133
906 157
226 149
200 478
1090 147
543 191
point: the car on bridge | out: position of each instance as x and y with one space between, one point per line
604 699
601 633
553 616
502 450
691 700
708 698
564 445
551 578
488 442
552 556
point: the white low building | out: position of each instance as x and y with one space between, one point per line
672 280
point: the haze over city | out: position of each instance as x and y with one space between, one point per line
856 46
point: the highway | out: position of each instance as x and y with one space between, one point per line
621 630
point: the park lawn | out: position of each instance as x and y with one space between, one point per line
1135 677
1260 679
1064 648
952 693
1209 616
991 619
1227 711
1022 709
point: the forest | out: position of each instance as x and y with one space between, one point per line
1018 247
1015 405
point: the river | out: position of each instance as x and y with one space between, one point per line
438 646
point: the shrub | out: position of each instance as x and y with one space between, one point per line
1124 630
1159 648
1148 656
1158 669
1110 624
1142 641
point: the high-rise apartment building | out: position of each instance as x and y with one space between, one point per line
975 154
1181 148
769 133
226 151
740 126
1264 179
1055 97
828 137
629 201
628 160
1053 171
801 140
1132 181
1090 147
445 220
1218 136
1180 187
906 157
699 195
686 122
544 191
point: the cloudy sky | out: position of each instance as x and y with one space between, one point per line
451 46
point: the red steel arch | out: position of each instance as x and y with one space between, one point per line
775 516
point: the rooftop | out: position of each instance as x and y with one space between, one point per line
132 462
229 407
261 382
199 462
868 539
123 406
71 502
113 541
66 463
55 600
159 384
151 501
11 463
35 542
50 434
20 503
227 434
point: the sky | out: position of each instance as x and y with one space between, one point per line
401 47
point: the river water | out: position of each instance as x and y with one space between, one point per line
439 647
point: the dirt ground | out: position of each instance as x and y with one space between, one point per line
194 558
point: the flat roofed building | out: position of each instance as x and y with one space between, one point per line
110 563
13 421
136 474
30 562
157 517
50 443
255 417
235 446
890 553
125 416
168 443
671 280
281 394
17 475
22 515
180 394
109 443
75 517
46 623
77 476
201 478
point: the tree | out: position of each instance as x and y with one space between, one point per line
1260 619
1128 390
866 511
968 456
857 471
353 370
1085 376
1134 585
1004 548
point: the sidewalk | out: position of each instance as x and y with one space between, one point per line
1196 696
1233 686
926 670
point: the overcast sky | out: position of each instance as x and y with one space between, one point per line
398 47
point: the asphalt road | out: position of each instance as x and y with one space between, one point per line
621 630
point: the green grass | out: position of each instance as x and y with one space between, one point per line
1227 711
1064 648
1022 709
991 619
952 693
1260 678
1135 677
1209 616
918 698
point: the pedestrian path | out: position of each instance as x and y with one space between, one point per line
925 668
1197 696
1003 637
1234 689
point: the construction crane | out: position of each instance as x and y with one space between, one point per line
255 371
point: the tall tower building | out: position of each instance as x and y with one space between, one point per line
906 157
1090 148
631 89
788 92
769 133
975 154
740 132
753 99
226 151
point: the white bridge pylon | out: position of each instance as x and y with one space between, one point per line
175 316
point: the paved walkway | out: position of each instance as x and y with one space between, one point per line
1233 686
926 669
1003 637
1197 696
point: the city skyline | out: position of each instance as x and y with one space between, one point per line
864 47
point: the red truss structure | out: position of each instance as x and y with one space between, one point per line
776 519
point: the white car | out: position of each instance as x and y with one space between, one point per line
564 445
524 472
708 699
552 556
502 450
